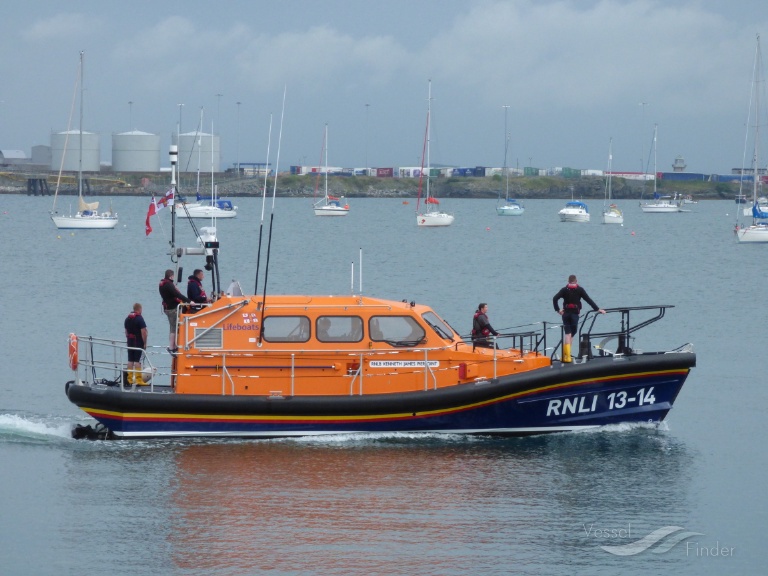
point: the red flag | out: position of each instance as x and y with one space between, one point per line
151 212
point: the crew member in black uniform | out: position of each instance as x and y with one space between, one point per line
195 291
171 299
571 294
136 339
481 327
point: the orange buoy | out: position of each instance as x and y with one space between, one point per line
73 360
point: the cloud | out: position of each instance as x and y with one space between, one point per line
62 26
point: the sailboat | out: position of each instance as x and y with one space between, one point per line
431 215
329 205
660 203
612 214
87 216
509 207
212 206
758 230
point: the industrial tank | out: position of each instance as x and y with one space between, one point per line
66 146
135 151
195 149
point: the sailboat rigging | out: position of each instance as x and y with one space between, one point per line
509 207
87 216
612 214
431 215
329 205
758 230
660 203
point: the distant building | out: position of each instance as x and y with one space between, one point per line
679 164
13 158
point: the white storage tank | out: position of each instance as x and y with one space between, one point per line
66 145
195 149
135 151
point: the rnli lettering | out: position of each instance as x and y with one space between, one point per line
588 403
403 364
575 405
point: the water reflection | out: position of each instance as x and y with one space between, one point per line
432 506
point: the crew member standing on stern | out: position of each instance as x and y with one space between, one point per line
136 339
571 294
171 300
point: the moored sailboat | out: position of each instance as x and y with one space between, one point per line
757 231
329 205
612 214
661 203
510 207
431 215
87 216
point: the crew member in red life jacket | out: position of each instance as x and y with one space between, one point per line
171 299
571 294
136 339
195 291
481 327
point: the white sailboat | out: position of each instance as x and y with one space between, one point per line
212 207
661 203
758 230
508 207
329 205
431 216
87 216
612 214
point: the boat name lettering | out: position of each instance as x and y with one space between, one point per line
403 363
232 326
587 404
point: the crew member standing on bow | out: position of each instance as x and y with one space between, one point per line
195 291
481 327
136 339
571 294
171 300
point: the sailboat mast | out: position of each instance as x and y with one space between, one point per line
429 114
326 162
756 153
80 160
655 132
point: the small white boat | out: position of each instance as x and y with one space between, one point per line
87 216
510 208
574 211
661 204
431 216
612 214
208 208
329 205
762 204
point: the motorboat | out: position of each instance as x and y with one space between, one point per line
574 211
281 365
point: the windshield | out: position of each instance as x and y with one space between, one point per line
442 329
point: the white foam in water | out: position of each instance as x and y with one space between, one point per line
19 426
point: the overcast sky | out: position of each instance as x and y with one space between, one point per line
573 73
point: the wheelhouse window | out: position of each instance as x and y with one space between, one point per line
396 330
286 328
339 329
442 329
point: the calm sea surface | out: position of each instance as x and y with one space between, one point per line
390 504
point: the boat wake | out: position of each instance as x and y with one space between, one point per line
33 429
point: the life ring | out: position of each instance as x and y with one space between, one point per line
73 360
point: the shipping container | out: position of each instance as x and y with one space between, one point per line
385 172
530 171
479 172
591 172
731 178
683 176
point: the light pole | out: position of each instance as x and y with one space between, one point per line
130 115
238 139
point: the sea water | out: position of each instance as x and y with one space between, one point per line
685 497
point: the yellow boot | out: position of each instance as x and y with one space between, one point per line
567 353
139 378
130 376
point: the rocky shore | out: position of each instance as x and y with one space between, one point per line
545 187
